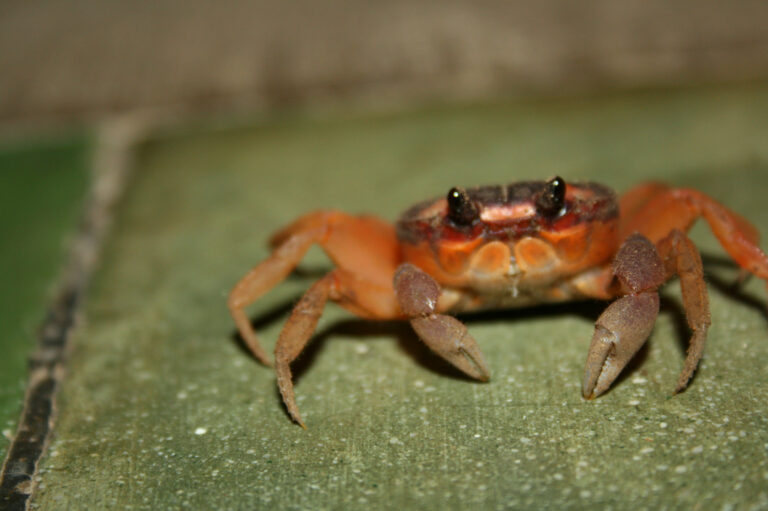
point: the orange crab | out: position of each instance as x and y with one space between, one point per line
505 246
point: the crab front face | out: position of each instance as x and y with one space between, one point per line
531 233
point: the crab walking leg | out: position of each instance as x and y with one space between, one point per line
363 297
625 325
294 337
655 212
633 200
340 236
264 277
417 294
681 257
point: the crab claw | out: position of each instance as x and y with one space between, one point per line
620 331
418 294
449 338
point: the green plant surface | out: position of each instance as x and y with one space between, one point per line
42 186
163 408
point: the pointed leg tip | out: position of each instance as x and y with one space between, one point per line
586 385
476 371
476 368
589 393
591 384
473 363
685 377
295 417
594 388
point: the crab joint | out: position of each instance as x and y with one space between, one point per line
416 291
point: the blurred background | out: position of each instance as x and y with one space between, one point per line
82 60
230 118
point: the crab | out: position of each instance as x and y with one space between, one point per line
505 246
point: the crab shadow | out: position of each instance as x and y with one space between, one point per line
729 284
408 341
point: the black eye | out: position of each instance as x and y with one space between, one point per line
461 210
552 198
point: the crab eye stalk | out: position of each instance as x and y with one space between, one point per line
552 199
461 210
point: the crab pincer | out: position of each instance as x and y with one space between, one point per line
418 294
624 326
641 267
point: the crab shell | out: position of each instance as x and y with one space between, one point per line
512 242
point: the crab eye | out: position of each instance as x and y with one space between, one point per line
461 210
552 199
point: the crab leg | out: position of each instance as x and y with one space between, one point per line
365 298
681 257
417 294
625 325
655 210
294 337
264 277
340 235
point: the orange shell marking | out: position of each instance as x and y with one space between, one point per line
491 260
